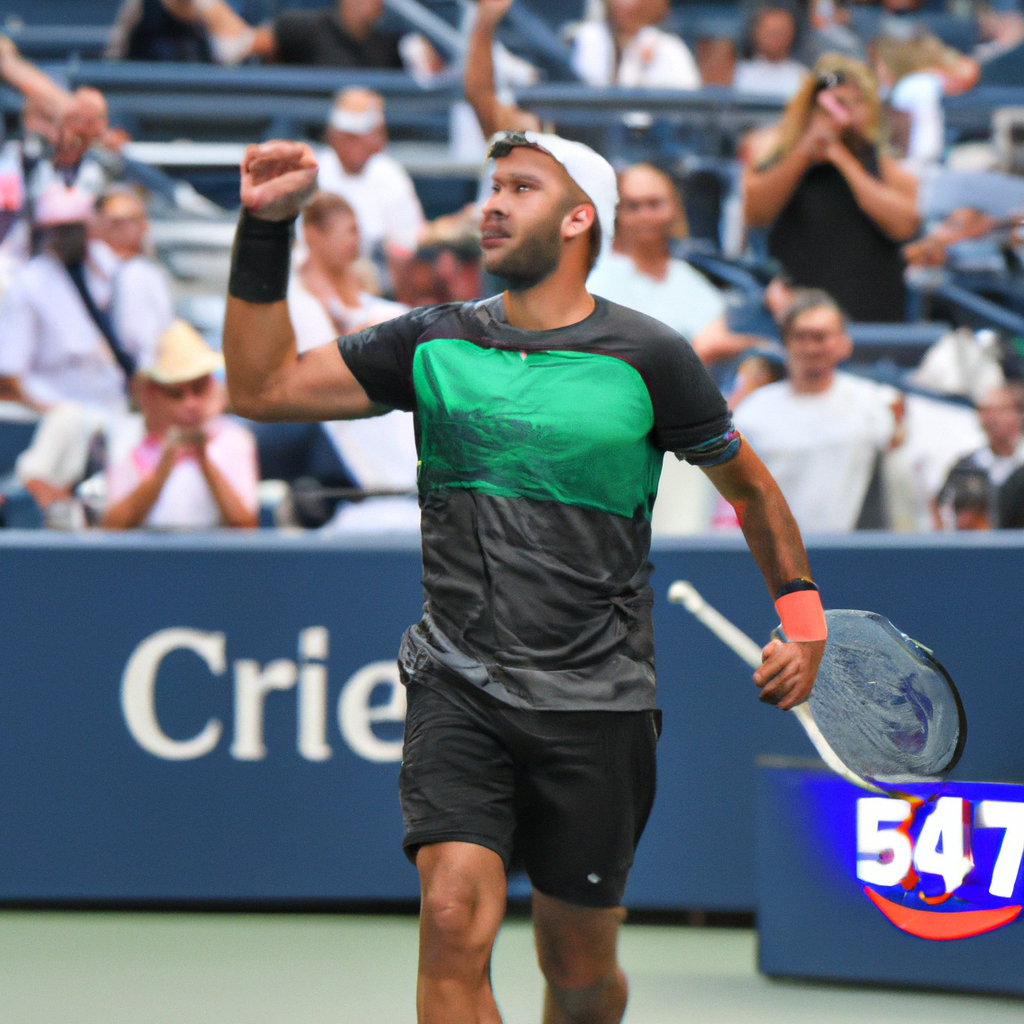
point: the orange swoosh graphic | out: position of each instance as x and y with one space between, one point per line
926 924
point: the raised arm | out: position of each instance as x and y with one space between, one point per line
45 98
493 115
267 379
788 672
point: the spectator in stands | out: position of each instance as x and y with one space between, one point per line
820 432
917 73
56 344
195 469
377 187
341 36
162 30
770 70
642 274
328 284
140 302
61 128
965 501
1001 418
837 204
628 49
325 299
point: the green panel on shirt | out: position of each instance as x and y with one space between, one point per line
572 427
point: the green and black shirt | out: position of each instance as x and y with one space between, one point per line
540 453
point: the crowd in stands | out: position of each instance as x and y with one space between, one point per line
841 204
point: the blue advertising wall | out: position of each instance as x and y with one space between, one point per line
843 894
218 718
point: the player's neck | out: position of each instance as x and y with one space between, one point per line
559 300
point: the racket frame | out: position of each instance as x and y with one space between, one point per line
684 593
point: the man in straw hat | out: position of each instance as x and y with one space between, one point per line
195 469
542 416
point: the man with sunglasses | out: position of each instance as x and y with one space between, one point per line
194 469
542 415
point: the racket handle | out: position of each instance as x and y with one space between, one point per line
684 593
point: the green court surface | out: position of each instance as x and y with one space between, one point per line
142 968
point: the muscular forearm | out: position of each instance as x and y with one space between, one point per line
768 525
766 192
894 212
232 509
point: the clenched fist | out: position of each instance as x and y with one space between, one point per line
277 179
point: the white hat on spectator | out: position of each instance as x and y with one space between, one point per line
182 355
588 169
62 205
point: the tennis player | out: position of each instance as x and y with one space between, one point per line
542 418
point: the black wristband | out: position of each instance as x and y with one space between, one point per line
800 583
260 259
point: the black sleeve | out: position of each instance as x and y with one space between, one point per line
380 357
691 417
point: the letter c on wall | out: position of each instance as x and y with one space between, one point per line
138 685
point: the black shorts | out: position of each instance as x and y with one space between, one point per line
566 794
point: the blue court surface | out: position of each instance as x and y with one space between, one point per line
141 968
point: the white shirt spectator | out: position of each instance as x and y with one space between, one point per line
685 300
186 502
313 325
920 96
653 59
382 195
137 293
51 344
769 78
379 452
821 448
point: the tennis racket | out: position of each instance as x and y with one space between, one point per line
883 710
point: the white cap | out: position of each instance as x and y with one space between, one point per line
356 122
588 169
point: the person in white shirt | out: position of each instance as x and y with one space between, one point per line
641 273
140 297
628 49
770 70
324 300
195 469
52 348
820 432
378 188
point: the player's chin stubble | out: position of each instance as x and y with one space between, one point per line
532 260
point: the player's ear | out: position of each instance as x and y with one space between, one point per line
577 221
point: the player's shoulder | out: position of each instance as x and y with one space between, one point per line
616 322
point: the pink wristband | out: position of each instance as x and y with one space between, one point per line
802 615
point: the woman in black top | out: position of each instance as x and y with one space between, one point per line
838 206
